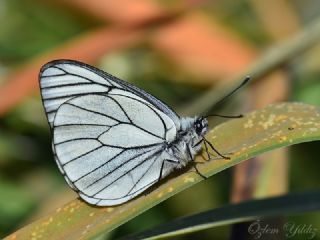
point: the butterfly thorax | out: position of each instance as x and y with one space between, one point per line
188 141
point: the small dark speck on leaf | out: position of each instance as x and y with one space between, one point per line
290 128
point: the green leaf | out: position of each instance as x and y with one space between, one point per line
273 127
16 203
234 213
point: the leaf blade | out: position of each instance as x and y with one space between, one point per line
234 213
244 138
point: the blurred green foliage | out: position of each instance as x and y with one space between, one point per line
32 27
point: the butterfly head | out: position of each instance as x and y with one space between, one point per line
201 126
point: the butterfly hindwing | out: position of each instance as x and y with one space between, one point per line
104 148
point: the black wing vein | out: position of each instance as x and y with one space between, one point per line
118 167
147 159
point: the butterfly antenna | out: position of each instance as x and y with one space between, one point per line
244 82
224 116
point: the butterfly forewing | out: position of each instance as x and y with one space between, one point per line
61 80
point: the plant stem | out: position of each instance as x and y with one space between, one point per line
272 59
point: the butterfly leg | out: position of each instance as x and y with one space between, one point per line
198 143
215 150
195 164
198 172
207 150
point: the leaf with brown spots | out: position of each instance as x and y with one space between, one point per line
272 127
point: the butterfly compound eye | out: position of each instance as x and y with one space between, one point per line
201 126
198 126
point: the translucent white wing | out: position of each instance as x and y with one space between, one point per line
108 134
61 80
109 146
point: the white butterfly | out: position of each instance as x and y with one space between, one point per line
112 140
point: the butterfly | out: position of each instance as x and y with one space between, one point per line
111 139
